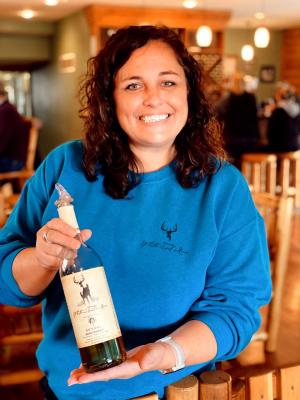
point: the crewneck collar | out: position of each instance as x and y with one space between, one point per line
158 175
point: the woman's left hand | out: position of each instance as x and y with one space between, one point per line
149 357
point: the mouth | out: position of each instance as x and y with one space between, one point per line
148 119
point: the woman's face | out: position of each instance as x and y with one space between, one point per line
151 97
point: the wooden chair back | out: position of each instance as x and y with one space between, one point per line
20 333
259 169
289 174
277 213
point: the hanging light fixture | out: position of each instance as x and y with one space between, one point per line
261 34
204 36
247 52
27 14
262 37
189 3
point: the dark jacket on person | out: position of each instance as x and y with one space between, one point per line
284 128
14 133
238 113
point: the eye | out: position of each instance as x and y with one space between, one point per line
133 86
168 83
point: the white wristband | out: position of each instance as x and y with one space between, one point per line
179 354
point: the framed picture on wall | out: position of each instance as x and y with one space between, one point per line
267 73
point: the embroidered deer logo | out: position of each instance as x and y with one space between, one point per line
85 293
168 231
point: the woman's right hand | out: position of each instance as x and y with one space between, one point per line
56 241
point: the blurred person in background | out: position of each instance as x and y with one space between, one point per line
238 113
14 134
284 122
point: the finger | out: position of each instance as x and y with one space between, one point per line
58 224
85 234
58 238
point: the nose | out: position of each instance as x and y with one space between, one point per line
152 97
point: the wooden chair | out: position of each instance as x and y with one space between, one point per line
20 333
277 213
28 169
18 176
289 175
259 169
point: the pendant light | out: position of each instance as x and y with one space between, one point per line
262 37
247 52
261 34
189 3
204 35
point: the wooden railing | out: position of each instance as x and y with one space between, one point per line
283 384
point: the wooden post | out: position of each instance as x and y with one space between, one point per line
260 387
238 390
185 389
215 385
290 383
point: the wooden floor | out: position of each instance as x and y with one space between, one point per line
288 352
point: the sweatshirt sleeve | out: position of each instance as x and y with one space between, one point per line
238 278
33 210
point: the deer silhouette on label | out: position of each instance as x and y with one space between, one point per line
168 230
85 293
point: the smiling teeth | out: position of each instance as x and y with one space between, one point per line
154 118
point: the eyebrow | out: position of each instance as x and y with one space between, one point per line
137 77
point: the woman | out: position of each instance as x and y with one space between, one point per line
180 238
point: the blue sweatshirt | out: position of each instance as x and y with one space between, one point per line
170 254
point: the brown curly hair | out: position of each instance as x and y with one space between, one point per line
199 146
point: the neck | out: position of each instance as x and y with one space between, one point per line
150 160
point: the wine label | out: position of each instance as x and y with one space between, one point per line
67 214
90 306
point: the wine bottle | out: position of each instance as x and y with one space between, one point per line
89 301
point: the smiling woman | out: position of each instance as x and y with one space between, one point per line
149 90
174 223
151 103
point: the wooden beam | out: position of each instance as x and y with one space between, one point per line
102 16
